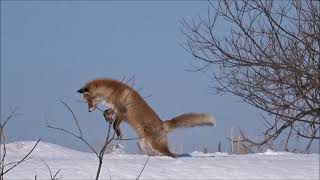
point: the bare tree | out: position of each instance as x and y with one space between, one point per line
6 167
269 57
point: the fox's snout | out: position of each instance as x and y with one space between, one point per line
84 91
80 90
92 108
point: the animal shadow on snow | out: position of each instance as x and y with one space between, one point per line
188 155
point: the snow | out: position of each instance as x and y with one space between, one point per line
196 165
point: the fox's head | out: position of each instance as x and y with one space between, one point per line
99 91
91 99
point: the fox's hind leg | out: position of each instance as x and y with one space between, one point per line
161 146
146 147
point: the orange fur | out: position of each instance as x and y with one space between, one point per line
130 107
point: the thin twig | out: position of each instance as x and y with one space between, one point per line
53 177
144 166
74 116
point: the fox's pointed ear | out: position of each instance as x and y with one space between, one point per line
82 90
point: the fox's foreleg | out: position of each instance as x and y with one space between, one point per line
118 118
116 127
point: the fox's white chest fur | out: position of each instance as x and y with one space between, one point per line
107 104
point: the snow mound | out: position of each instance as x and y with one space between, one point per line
196 165
118 149
271 152
201 154
43 150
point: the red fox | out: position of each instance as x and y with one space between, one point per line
130 107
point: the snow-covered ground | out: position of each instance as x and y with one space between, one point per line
81 165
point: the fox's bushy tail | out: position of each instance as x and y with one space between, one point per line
188 120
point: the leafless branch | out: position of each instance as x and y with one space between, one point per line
52 177
20 161
74 117
6 167
144 166
80 136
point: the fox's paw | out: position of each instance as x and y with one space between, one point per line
108 115
119 137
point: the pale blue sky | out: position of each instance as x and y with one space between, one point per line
49 50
